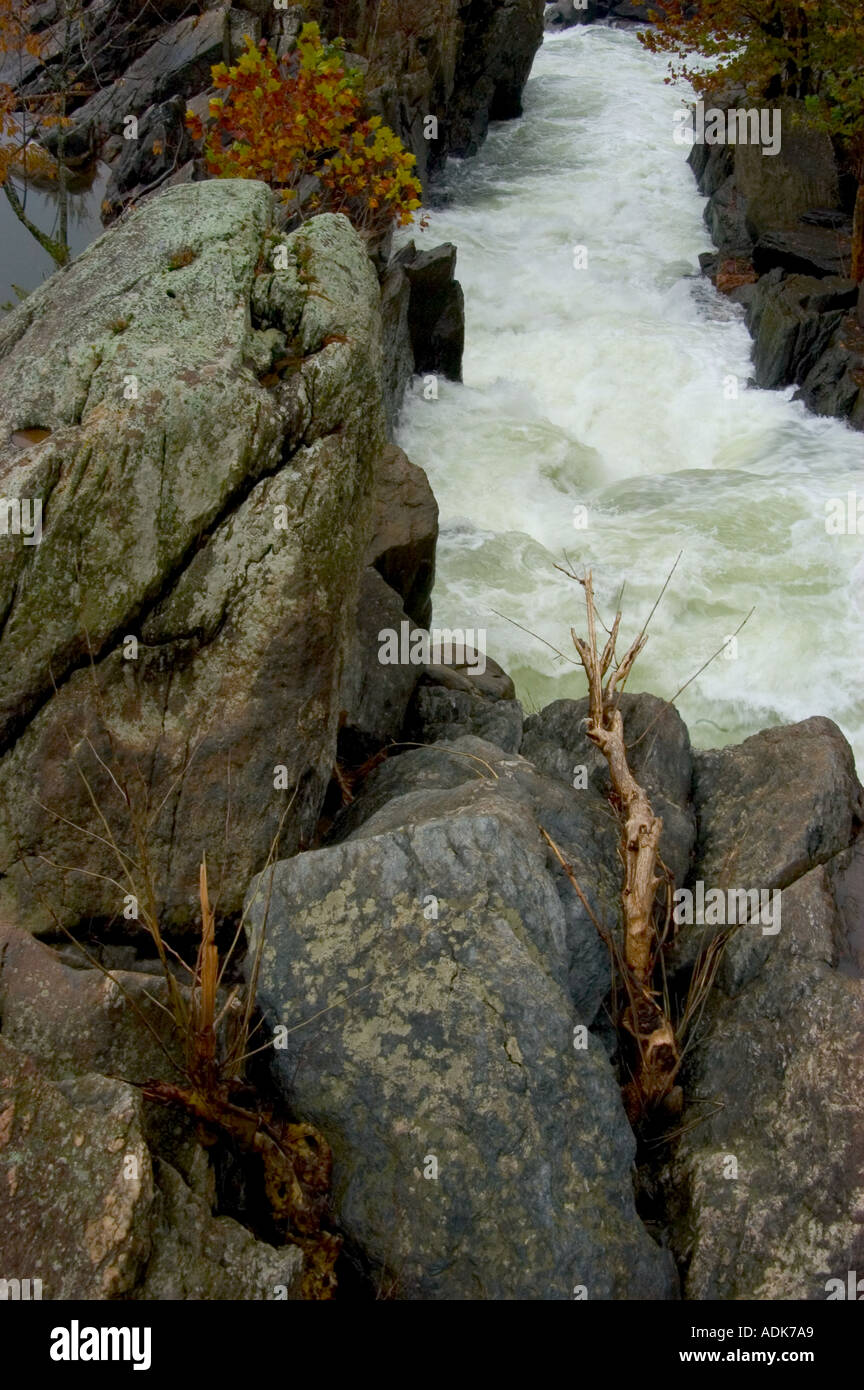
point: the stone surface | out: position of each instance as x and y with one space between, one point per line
255 392
76 1183
498 44
398 365
803 250
436 309
73 1021
765 1186
773 807
177 64
405 532
374 696
779 189
196 1255
453 777
163 146
793 319
437 712
454 1045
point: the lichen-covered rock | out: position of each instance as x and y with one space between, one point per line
468 775
215 421
477 1152
765 1189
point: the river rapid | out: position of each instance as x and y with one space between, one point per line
605 416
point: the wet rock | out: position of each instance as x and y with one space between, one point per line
793 320
726 220
436 310
498 45
803 250
477 1154
834 384
564 14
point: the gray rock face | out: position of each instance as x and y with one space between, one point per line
498 45
196 1255
374 696
803 250
177 64
768 811
477 1153
766 1183
564 14
773 807
207 490
441 713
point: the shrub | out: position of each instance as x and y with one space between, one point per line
283 119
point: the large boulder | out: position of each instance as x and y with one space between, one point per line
436 309
477 1152
405 532
205 450
773 807
768 811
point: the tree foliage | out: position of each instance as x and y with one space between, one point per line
283 120
809 49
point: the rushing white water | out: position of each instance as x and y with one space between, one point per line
607 387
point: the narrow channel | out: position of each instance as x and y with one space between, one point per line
621 388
